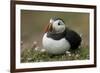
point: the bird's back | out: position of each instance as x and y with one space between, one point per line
73 38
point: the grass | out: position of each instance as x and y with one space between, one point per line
31 55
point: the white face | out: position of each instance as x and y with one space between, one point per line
58 26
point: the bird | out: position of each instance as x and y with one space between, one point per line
58 38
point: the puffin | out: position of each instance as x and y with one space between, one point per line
58 38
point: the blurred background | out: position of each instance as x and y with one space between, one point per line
34 22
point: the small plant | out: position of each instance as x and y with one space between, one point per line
32 55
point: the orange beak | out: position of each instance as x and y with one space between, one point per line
48 28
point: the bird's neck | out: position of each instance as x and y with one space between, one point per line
56 36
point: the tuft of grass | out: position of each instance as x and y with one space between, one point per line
31 55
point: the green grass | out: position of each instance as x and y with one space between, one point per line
31 55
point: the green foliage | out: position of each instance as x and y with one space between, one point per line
31 55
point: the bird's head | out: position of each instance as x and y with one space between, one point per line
55 25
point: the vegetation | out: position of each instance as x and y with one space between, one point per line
32 55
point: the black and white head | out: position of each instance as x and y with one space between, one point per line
55 25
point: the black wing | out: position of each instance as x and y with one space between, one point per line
73 38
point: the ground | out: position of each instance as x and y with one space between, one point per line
32 55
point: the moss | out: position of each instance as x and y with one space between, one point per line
30 55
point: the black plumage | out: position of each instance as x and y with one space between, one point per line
71 36
56 36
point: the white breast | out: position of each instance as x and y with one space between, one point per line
55 46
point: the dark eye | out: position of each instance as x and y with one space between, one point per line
59 24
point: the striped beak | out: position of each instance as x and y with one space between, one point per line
48 28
